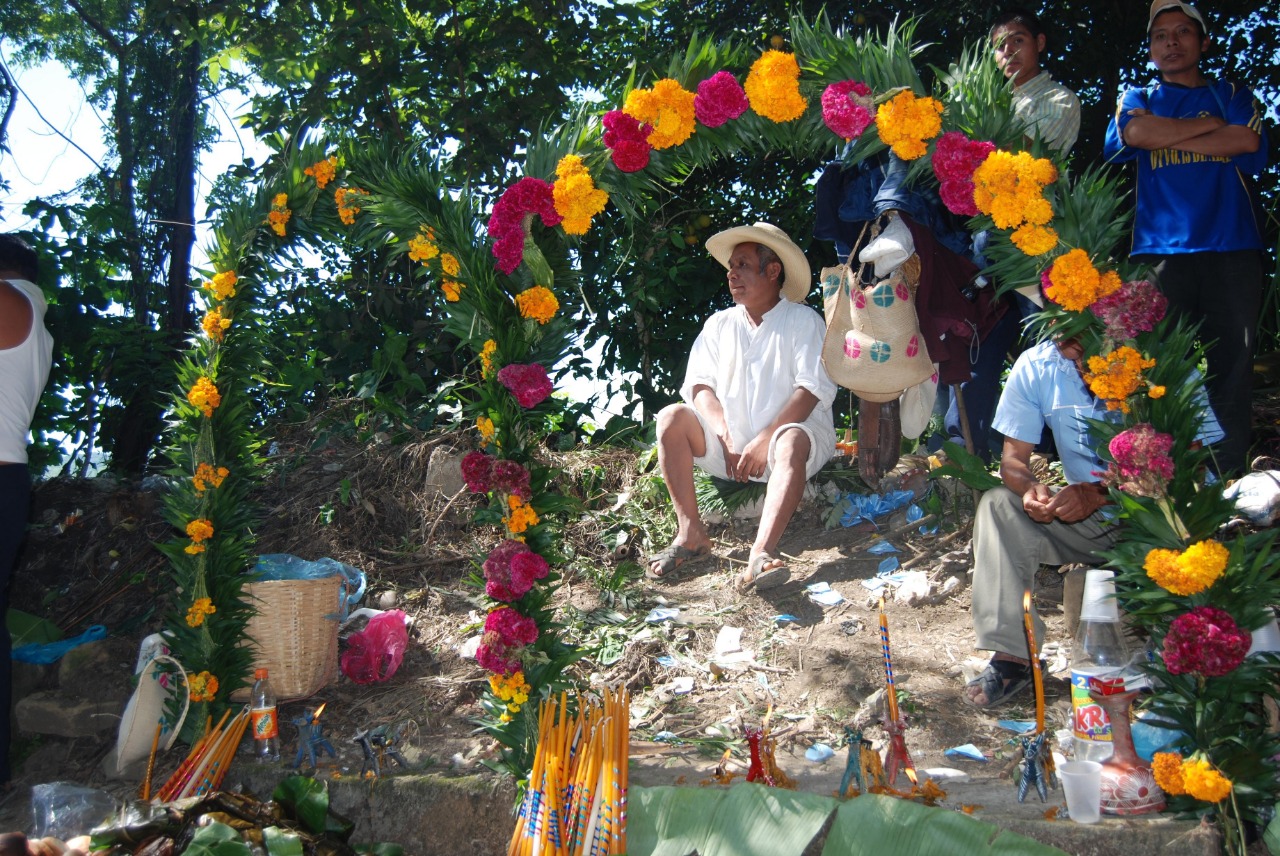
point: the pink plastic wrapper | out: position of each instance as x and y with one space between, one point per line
375 653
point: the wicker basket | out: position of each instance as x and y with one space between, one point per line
295 634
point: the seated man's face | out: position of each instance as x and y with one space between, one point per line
1017 52
748 286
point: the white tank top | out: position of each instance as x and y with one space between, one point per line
24 371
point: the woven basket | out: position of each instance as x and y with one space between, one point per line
294 634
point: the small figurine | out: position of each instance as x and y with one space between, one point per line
853 767
1034 769
378 742
311 737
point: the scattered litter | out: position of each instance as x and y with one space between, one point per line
665 737
968 750
887 566
851 626
784 619
913 587
1054 658
819 752
682 685
728 641
875 583
856 508
659 614
943 775
823 594
915 513
666 660
468 648
881 548
1017 726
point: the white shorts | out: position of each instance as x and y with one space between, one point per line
713 461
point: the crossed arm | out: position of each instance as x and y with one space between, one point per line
751 460
1070 505
1206 135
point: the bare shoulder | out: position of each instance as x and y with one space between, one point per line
15 316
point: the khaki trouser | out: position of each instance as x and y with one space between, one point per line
1008 548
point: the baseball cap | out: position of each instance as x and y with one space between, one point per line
1190 11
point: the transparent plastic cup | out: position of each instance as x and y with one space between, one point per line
1082 784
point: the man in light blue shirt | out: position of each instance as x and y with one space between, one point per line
1025 523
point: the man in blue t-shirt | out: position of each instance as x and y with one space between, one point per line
1197 144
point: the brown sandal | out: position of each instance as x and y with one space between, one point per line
757 577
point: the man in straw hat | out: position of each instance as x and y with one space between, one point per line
757 401
1197 144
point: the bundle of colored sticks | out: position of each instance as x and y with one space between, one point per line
576 802
206 765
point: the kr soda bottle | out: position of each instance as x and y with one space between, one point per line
1099 661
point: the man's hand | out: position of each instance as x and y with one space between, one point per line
1036 502
1076 502
754 458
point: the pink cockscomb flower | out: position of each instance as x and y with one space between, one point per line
1136 308
955 159
627 140
720 98
846 108
477 472
507 573
526 197
1206 641
1143 465
529 383
512 478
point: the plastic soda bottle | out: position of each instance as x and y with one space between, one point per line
1099 661
264 718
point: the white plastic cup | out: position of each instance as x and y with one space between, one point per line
1082 784
1099 602
1266 637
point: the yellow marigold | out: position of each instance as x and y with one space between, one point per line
773 87
452 290
1034 240
1162 567
203 686
348 202
215 324
521 516
537 303
668 107
487 431
323 171
422 248
1156 392
279 214
449 264
204 396
200 529
193 549
198 611
486 357
1116 376
1205 783
1167 767
223 285
1010 187
1074 283
1200 566
207 476
906 123
577 199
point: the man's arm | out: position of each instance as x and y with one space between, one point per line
755 456
15 317
1228 141
1071 504
1148 132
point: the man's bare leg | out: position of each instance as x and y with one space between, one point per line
783 495
680 440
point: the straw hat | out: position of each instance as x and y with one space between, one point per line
797 275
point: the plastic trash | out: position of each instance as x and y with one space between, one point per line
785 618
859 507
1017 726
823 594
881 548
63 810
887 566
659 614
819 752
282 566
52 652
374 654
968 750
916 513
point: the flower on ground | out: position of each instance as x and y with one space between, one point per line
668 108
223 285
522 200
627 140
529 383
906 123
487 351
520 516
215 324
1136 307
203 686
323 171
538 303
1206 641
197 612
204 396
846 108
1143 465
348 201
207 476
1188 572
477 472
576 196
1116 376
279 214
773 87
719 98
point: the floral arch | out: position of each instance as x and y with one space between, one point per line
1198 596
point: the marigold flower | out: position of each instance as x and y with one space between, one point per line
193 549
323 171
215 324
1074 283
203 686
200 529
521 516
1205 783
199 610
1167 767
538 303
204 396
1010 188
906 123
279 214
1155 392
487 431
487 351
422 246
668 108
207 476
348 201
773 87
576 197
449 264
223 285
1116 376
1034 240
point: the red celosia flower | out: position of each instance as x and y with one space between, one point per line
1206 641
1136 308
846 108
526 197
477 472
1142 465
720 98
528 383
628 140
955 159
510 477
500 583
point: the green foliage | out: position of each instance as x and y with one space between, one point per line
966 467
